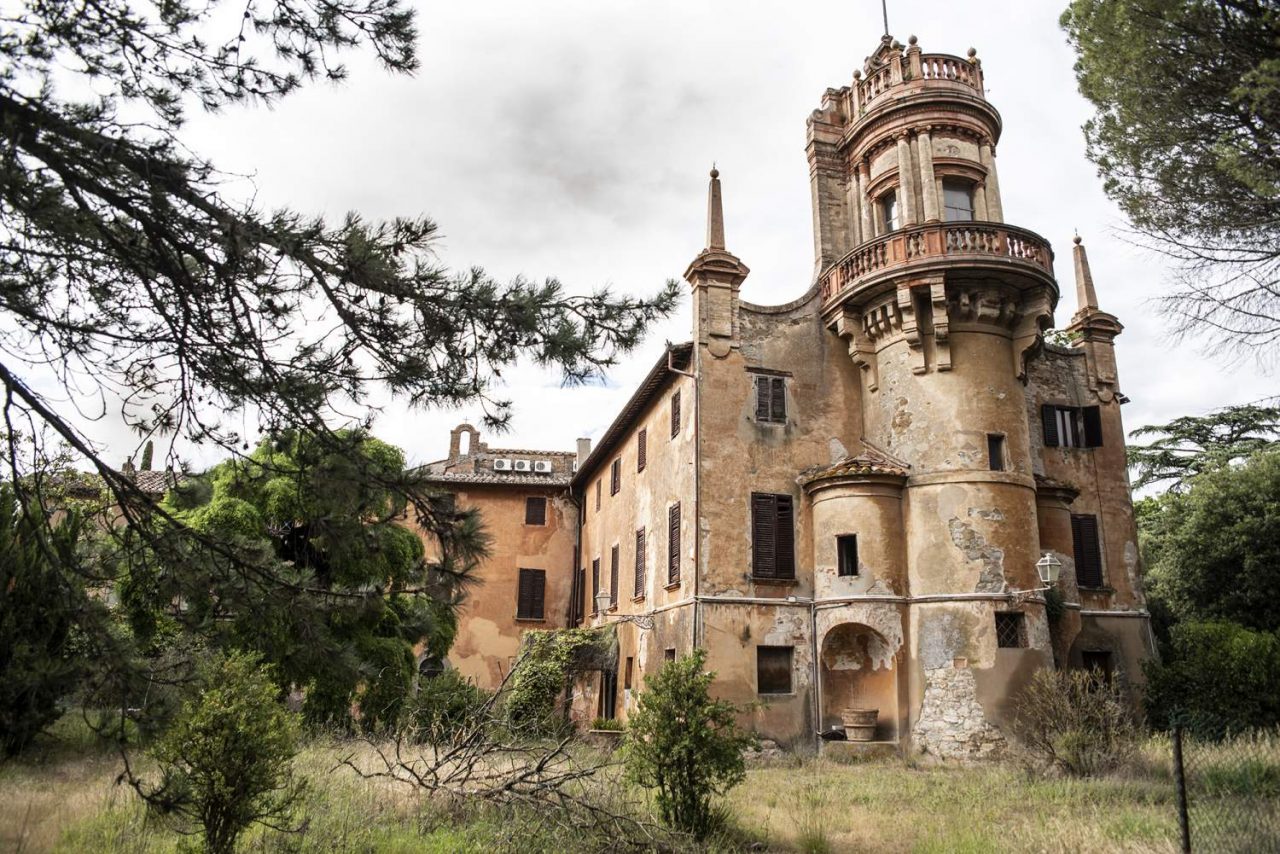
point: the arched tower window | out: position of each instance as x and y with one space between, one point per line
957 199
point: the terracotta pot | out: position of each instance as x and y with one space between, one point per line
860 724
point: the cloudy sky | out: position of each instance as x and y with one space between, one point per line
573 139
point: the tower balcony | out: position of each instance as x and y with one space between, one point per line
914 71
1014 255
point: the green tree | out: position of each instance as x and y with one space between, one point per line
685 744
1187 140
1213 553
335 523
132 270
225 761
1193 444
41 605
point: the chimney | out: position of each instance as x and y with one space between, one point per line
584 449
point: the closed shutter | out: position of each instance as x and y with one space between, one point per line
640 563
675 415
778 400
595 582
531 594
764 535
786 532
535 511
673 544
539 593
1049 418
523 595
1088 551
1092 427
615 477
613 576
641 449
762 398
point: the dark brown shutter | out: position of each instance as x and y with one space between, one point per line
1088 551
523 596
582 594
595 582
675 415
641 449
762 398
640 563
535 510
1092 426
778 400
673 544
764 510
1049 418
613 576
531 594
785 532
539 599
615 476
599 489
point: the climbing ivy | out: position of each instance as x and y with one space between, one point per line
549 660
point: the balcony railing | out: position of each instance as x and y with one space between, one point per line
920 245
912 67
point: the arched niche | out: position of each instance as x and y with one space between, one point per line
859 669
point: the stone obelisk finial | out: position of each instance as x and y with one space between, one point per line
1085 294
715 212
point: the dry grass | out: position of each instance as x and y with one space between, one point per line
62 798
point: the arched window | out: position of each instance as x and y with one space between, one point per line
957 199
889 210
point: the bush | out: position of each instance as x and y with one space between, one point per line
225 760
548 662
685 744
445 706
1217 678
607 724
1076 721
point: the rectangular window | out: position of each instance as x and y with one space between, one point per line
847 554
957 200
613 577
1071 426
640 564
608 694
599 488
531 596
1088 550
675 415
669 654
626 679
773 553
771 400
535 510
773 669
615 477
995 451
889 210
673 544
642 442
1009 631
595 584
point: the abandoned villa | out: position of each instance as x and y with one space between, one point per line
849 499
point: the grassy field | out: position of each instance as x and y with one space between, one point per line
62 797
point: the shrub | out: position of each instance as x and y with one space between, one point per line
548 662
685 744
445 706
1217 678
225 760
607 724
1076 721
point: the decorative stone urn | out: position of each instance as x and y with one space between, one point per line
860 724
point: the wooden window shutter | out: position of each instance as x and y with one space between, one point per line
599 489
764 512
762 398
778 400
675 415
615 476
613 576
1088 551
539 593
785 531
641 450
535 510
1092 426
673 544
523 594
531 594
640 563
595 582
1049 418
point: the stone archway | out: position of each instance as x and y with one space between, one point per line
859 669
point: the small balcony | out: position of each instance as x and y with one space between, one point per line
1002 251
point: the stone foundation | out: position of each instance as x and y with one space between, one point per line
951 724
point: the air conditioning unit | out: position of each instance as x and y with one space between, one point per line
523 465
542 466
502 465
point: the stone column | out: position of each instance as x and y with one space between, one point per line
987 155
866 204
980 202
906 188
927 181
